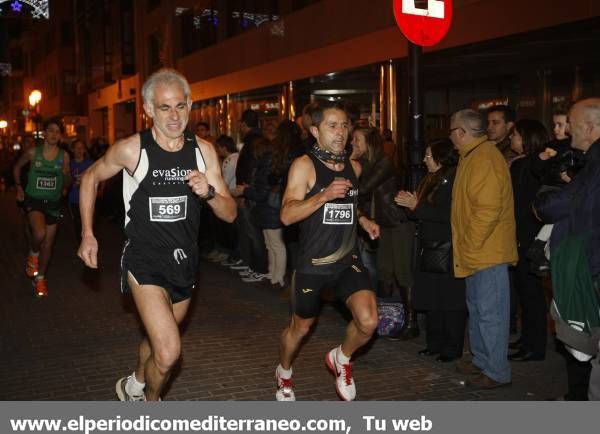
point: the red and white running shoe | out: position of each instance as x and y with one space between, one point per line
285 388
344 383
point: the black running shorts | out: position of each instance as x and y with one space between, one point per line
51 210
306 290
174 269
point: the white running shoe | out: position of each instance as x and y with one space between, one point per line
122 392
245 273
255 277
285 388
239 267
344 383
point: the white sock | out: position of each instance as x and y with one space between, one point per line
39 277
341 358
32 253
134 387
284 373
544 233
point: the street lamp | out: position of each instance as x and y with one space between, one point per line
35 97
34 100
3 125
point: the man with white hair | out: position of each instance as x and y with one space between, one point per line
576 207
484 245
169 174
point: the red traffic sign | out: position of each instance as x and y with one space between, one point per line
423 22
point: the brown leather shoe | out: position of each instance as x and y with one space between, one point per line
465 367
484 382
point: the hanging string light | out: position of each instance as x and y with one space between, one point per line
246 18
39 8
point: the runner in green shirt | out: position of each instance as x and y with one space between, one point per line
48 181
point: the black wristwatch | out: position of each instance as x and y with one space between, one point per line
210 194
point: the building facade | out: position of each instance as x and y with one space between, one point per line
277 55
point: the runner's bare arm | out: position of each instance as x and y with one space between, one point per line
222 204
123 154
25 158
301 178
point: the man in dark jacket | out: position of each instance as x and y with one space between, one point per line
577 206
501 121
246 161
252 243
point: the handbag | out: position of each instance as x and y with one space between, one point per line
436 256
391 316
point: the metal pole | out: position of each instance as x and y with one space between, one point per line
416 139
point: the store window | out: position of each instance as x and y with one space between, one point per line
207 111
199 29
245 15
358 87
265 101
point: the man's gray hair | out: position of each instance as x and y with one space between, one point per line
164 76
592 110
472 121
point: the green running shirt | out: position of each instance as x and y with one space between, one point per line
46 177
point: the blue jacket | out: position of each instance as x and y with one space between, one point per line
575 209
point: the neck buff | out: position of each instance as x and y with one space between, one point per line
328 156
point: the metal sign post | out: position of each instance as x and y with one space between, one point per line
423 23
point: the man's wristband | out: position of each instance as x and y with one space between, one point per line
210 194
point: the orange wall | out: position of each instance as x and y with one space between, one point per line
333 35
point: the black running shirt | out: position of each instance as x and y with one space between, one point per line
160 208
328 236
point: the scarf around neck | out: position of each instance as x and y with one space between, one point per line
328 156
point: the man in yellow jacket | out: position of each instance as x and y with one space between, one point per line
484 245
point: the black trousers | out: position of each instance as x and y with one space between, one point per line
252 242
532 300
446 331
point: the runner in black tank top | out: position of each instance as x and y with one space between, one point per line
162 217
328 236
161 210
321 195
169 174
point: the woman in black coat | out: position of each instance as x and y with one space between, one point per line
528 139
439 294
379 182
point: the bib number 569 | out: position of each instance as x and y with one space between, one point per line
169 209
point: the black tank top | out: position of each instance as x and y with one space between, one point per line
160 208
328 236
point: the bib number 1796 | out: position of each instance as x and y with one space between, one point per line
338 214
